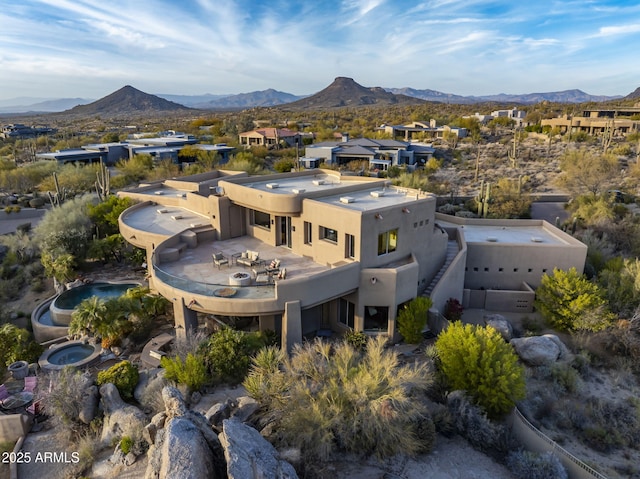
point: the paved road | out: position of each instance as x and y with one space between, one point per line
549 211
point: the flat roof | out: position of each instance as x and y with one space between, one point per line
532 234
301 184
165 220
374 198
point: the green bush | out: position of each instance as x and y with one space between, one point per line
569 301
478 360
65 399
126 444
123 376
228 354
16 344
356 339
191 372
413 318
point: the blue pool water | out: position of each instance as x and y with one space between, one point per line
71 354
73 297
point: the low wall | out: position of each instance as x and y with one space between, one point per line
14 426
535 440
509 301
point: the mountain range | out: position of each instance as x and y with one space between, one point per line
342 92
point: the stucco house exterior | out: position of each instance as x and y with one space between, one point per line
270 137
313 252
427 129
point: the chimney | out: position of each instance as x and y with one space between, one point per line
345 137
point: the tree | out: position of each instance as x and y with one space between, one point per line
586 172
412 319
330 398
105 214
479 361
569 301
16 344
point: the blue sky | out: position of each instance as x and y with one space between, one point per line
90 48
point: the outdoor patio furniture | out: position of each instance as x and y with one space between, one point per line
4 393
248 258
219 259
30 383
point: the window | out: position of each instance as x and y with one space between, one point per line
350 245
346 313
308 233
387 242
261 219
376 318
328 234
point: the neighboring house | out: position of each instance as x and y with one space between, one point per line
593 123
514 114
351 251
270 137
18 130
380 154
160 148
423 129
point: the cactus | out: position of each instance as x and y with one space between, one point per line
513 154
60 195
103 182
483 199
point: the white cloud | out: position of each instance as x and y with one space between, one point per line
618 30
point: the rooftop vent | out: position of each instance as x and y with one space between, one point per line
163 210
318 182
377 194
158 192
297 191
272 185
536 239
492 239
181 195
347 199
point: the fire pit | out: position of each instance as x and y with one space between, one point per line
240 279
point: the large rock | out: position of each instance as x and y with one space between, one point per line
89 405
500 324
150 383
245 408
120 418
249 455
186 447
538 350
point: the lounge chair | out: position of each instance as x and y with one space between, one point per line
4 394
219 259
30 383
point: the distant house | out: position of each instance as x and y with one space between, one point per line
18 130
592 124
380 154
425 129
270 137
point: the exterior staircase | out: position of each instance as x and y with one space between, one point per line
452 251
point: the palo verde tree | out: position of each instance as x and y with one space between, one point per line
586 172
413 318
570 302
479 361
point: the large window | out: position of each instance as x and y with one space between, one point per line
328 234
376 318
346 314
387 242
261 219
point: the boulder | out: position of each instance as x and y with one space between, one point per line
184 445
218 413
89 405
564 351
536 350
120 418
149 380
249 455
500 324
245 408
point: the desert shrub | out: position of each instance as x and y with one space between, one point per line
453 310
284 165
531 465
188 343
191 372
478 360
472 423
64 400
356 339
16 344
87 446
123 376
228 354
413 318
532 326
569 301
566 377
334 398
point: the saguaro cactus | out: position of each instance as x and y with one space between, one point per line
60 195
483 199
103 182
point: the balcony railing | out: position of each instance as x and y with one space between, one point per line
210 289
